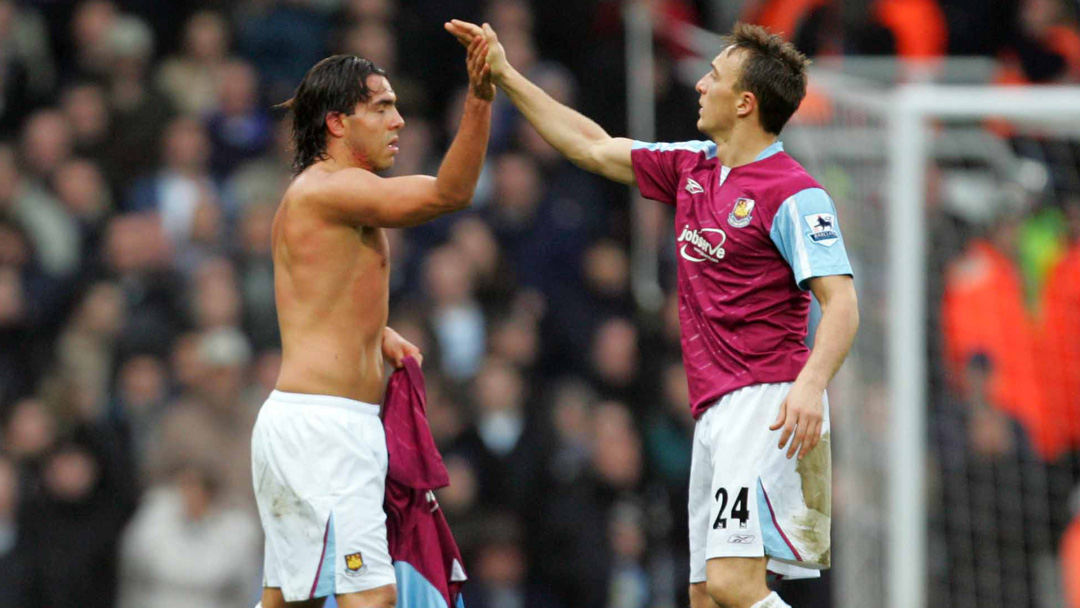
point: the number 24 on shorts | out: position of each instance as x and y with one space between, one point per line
739 512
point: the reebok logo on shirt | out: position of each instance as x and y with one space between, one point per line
693 187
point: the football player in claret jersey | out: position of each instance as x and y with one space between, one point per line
755 235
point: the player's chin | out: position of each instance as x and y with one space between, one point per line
386 163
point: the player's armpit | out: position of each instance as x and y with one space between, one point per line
611 158
361 198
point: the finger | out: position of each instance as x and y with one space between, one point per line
789 428
815 436
800 435
811 439
475 55
469 28
462 36
781 416
419 359
481 57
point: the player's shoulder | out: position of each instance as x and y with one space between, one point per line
316 186
682 150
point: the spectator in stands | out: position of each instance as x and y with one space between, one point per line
457 320
90 25
136 256
75 521
186 547
139 111
81 188
984 315
140 399
87 112
502 444
240 127
499 576
212 422
183 183
87 345
191 78
255 272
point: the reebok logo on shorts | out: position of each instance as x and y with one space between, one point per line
354 563
740 539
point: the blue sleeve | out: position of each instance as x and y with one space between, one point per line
807 232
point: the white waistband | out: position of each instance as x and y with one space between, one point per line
331 400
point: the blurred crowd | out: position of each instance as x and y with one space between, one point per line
140 168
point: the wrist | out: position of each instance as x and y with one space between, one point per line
501 77
473 101
813 381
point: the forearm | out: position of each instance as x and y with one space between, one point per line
463 162
568 131
834 337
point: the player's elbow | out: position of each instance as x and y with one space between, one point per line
453 200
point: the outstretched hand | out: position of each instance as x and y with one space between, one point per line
494 53
480 84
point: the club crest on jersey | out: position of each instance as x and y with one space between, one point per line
701 245
693 187
822 228
354 562
741 215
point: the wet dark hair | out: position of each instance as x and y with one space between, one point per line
773 70
335 84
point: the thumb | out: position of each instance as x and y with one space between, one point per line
489 33
781 416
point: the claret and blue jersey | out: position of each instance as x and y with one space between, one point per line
748 239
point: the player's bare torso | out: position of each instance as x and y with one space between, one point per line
331 284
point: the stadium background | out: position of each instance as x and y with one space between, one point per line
140 166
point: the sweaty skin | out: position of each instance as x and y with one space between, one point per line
331 282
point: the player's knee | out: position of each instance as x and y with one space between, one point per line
699 596
732 588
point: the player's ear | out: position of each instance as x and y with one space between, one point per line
335 123
747 103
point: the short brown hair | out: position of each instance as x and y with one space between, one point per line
773 70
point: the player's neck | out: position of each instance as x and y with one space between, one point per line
339 156
742 145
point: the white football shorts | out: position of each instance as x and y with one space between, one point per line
747 499
319 467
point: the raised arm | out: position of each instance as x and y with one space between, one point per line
363 198
575 136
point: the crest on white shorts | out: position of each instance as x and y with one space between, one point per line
354 563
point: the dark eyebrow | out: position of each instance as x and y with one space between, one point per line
385 102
